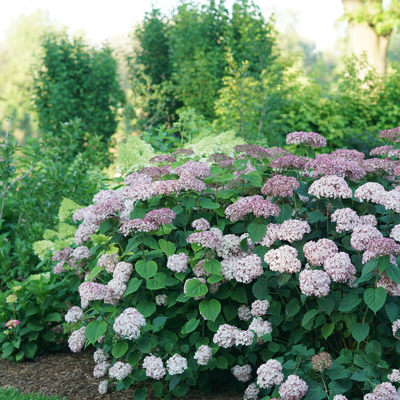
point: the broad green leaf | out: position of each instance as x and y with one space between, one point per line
285 214
29 349
225 194
156 283
375 298
145 308
133 285
383 262
327 330
55 316
167 247
146 269
239 295
222 362
254 178
292 308
350 301
210 309
106 225
308 316
194 288
360 331
393 272
94 330
260 289
213 266
326 304
95 271
209 204
190 326
119 349
256 231
370 266
140 394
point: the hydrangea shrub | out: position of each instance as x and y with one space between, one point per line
269 272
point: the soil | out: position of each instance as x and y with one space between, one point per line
70 375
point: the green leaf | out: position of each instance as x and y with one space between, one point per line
230 312
315 391
226 177
308 316
119 349
225 194
210 309
375 298
336 203
260 289
190 326
145 308
158 389
133 243
106 225
213 266
209 204
393 272
29 349
370 266
194 288
239 295
392 311
146 269
222 362
383 262
137 213
326 304
167 247
7 350
133 286
149 241
188 202
92 189
140 393
55 316
254 178
158 282
285 214
159 322
374 347
256 231
350 301
327 330
360 331
315 216
94 272
292 308
94 330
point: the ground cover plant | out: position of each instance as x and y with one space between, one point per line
271 272
13 394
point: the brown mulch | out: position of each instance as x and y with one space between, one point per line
71 375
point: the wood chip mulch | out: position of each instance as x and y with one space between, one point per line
71 375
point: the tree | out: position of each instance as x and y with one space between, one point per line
77 81
20 49
370 27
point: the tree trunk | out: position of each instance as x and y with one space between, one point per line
363 38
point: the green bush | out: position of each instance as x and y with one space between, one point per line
76 81
268 268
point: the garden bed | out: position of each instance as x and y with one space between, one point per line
71 375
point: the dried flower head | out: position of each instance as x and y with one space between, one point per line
321 361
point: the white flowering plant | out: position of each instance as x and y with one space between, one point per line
278 271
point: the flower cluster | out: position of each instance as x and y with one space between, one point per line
321 361
77 340
293 388
269 374
120 370
311 139
280 185
252 204
176 364
203 355
283 259
154 367
201 224
314 283
128 324
242 372
178 262
330 187
73 315
12 323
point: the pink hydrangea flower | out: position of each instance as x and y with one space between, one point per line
317 252
288 163
379 248
390 134
383 391
77 340
207 239
395 328
293 388
248 268
339 267
370 192
394 376
252 204
321 361
128 324
154 367
162 159
363 235
346 219
176 364
120 370
12 323
380 151
99 356
260 327
390 286
251 392
244 338
280 185
310 139
244 313
293 230
242 372
103 387
90 291
108 262
314 283
161 299
350 155
379 166
101 369
330 187
203 355
283 259
225 336
395 233
269 374
123 271
178 262
259 308
73 315
166 187
193 168
201 224
271 236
